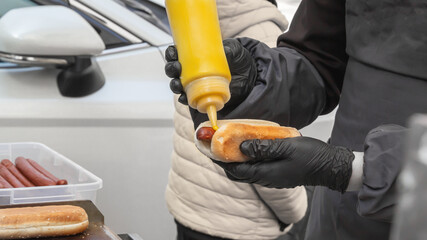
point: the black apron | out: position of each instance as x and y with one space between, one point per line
385 83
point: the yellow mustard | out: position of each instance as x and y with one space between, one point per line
205 73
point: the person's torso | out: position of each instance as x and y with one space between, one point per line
386 75
385 83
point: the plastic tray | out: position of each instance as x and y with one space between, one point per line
82 184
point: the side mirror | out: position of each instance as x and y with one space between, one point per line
54 36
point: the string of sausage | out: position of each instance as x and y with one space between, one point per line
46 173
26 173
9 177
4 183
11 167
32 174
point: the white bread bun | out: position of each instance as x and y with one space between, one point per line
225 144
44 221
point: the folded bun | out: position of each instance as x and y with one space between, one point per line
225 143
44 221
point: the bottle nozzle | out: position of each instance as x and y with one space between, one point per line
211 111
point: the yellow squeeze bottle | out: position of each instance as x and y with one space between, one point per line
205 74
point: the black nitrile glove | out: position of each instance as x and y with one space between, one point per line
291 162
242 68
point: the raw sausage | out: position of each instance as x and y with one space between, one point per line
36 177
205 133
62 182
9 165
46 173
8 176
4 183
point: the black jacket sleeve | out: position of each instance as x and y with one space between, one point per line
288 89
302 77
383 161
318 32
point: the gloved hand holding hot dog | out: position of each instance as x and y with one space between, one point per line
291 162
224 144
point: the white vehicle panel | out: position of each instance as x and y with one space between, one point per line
132 77
48 31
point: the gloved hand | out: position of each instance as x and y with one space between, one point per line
242 68
291 162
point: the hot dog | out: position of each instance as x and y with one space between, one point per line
6 174
225 142
46 173
205 133
36 177
4 183
9 165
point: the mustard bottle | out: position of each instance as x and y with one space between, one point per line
205 73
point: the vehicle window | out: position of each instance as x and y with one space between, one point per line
150 11
110 38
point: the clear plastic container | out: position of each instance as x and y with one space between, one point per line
82 184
